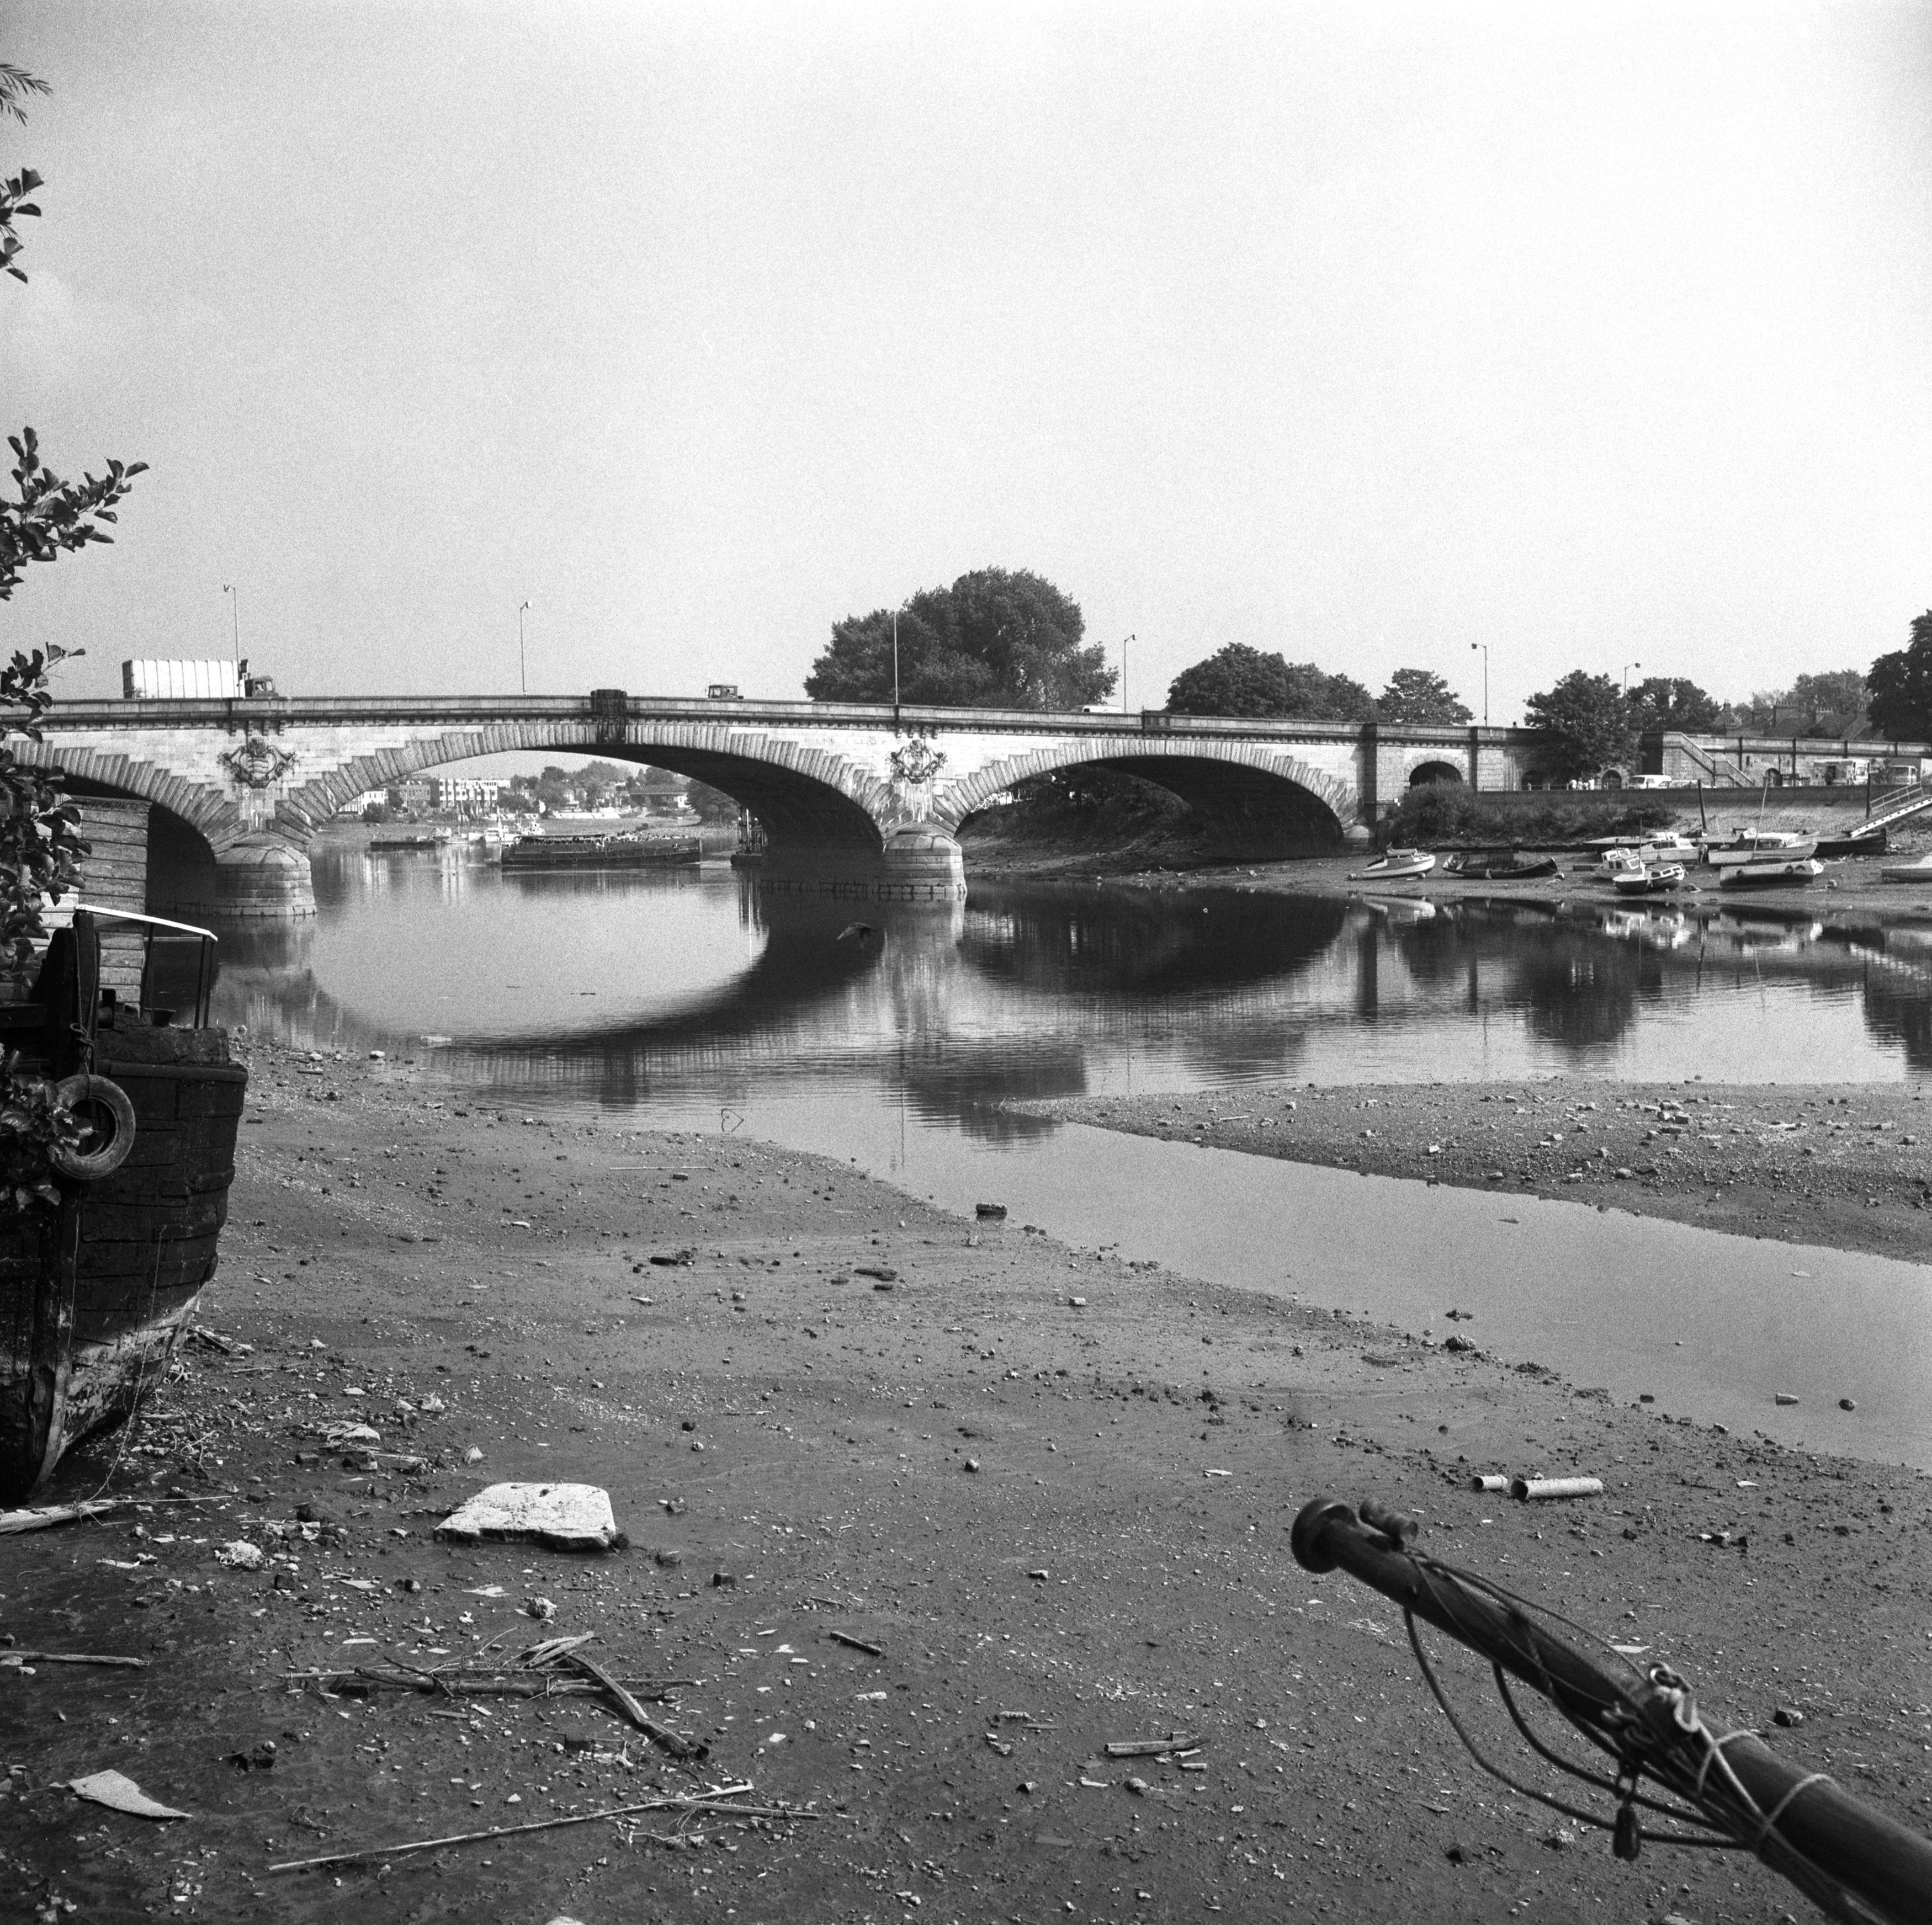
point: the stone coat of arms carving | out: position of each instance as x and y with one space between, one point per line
917 761
257 762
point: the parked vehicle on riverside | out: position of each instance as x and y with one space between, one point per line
1394 863
1920 871
96 1289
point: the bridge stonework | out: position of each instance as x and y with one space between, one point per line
848 793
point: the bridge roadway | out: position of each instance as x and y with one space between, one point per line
851 795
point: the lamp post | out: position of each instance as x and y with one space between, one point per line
523 667
896 613
1124 673
1485 648
1627 666
235 605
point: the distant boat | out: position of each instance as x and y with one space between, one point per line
600 852
1772 870
1920 871
1648 879
419 843
1397 864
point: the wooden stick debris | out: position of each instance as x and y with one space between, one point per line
705 1801
676 1743
69 1657
856 1643
45 1516
1152 1747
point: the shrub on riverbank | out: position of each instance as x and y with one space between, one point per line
1448 812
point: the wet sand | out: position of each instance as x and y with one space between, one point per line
1051 1487
1849 1166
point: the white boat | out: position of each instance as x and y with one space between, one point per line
1648 879
1756 845
1397 864
1920 871
1770 870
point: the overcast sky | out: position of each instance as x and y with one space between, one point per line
1599 334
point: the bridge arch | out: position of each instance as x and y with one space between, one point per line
808 798
207 811
1425 773
1256 791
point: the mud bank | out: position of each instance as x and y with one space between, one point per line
1049 1489
1849 1166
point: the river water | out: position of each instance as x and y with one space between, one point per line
696 1000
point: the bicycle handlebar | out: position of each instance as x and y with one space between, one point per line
1887 1867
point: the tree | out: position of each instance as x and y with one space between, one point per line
996 639
1662 702
1901 686
40 851
1585 721
1238 680
1421 696
1834 701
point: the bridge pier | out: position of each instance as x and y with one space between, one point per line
263 878
920 862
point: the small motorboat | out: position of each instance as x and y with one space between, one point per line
1394 866
1771 872
1648 879
1497 866
1752 845
1920 871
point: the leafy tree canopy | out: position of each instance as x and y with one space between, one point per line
1586 723
1670 702
1833 702
1901 686
1238 680
1421 696
997 638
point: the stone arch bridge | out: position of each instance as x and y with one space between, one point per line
855 793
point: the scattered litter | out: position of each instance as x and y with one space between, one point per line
240 1555
473 1456
1217 1473
994 1211
1038 1577
566 1517
884 1272
1526 1489
1846 1404
1151 1748
120 1793
44 1517
1077 1303
856 1643
336 1435
1489 1482
1787 1715
1783 1397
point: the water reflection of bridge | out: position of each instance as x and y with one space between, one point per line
1012 994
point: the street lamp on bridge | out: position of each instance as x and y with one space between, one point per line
896 613
1485 647
1627 666
523 667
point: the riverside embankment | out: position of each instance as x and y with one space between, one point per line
1050 1489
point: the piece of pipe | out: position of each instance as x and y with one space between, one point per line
1527 1488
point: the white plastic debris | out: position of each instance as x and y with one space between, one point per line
337 1434
120 1792
567 1517
241 1554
